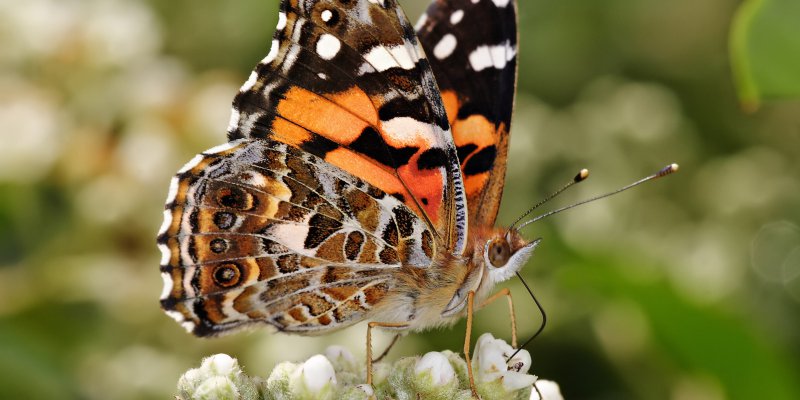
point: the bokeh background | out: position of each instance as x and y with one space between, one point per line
687 288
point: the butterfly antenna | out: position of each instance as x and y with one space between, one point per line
662 173
581 176
541 311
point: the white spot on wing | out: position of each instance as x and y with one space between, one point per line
165 224
188 325
500 3
499 56
273 52
168 284
328 46
383 58
234 121
251 81
326 15
292 236
480 58
496 56
291 57
246 125
445 47
254 179
322 76
221 148
421 21
403 57
165 253
176 316
406 131
191 164
281 21
173 190
456 16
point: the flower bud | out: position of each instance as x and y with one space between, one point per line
314 379
219 377
216 388
220 365
435 367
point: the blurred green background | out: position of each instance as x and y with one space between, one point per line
687 288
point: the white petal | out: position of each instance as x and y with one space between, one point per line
521 362
438 366
220 364
316 373
549 390
513 381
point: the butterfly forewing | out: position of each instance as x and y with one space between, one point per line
258 231
348 82
472 47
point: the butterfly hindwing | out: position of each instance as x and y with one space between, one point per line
347 81
472 47
257 231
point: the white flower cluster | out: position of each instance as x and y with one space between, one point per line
337 375
219 377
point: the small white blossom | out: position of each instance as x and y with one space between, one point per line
437 367
338 375
316 378
220 364
490 364
341 358
549 390
219 377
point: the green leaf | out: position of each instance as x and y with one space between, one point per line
765 51
699 338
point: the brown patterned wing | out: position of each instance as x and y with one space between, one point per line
257 231
472 47
347 81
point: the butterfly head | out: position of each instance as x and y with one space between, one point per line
504 253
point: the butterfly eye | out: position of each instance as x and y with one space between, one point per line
499 253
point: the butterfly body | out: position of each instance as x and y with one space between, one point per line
436 297
361 179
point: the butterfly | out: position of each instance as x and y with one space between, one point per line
361 179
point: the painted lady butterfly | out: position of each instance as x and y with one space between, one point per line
361 180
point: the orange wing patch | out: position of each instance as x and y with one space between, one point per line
479 142
341 121
363 145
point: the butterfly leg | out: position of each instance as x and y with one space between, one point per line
507 293
369 343
388 348
467 339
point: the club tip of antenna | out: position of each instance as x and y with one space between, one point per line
583 174
668 169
